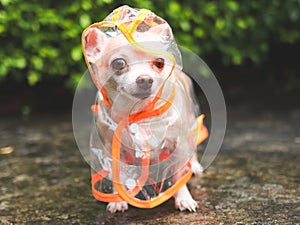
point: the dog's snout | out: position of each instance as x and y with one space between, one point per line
144 81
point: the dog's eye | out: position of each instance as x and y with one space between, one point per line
118 64
159 63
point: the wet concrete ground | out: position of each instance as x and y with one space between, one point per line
254 180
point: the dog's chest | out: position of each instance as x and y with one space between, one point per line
150 135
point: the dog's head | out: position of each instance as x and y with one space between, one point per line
126 70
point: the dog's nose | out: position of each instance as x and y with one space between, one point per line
144 81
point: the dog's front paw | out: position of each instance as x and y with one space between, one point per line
186 204
114 207
184 200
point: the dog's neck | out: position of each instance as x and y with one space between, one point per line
122 106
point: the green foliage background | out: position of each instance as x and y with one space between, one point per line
40 40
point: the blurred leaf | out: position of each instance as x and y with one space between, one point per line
5 2
33 78
220 24
174 8
19 62
85 20
48 51
232 5
107 1
76 53
3 16
2 28
211 9
86 5
48 16
3 70
185 26
199 32
241 23
237 58
37 62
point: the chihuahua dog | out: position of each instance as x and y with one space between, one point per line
131 78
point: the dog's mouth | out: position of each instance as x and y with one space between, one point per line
142 94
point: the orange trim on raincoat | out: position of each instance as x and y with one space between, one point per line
123 195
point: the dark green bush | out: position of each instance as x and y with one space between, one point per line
41 39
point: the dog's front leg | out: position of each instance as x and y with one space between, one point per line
183 198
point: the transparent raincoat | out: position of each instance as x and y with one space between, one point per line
131 158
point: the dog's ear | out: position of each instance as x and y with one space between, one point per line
94 39
164 31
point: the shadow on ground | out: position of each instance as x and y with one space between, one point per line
254 180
